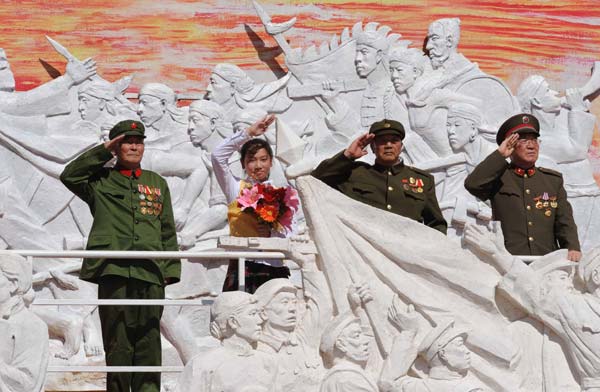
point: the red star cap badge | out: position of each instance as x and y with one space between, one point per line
525 120
133 125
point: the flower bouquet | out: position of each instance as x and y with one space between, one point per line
272 205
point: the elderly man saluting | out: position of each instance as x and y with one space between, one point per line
529 201
388 184
132 211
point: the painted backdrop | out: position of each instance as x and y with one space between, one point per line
177 42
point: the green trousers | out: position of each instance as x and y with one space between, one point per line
131 334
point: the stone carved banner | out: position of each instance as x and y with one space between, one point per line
329 94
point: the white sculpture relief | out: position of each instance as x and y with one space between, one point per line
293 323
566 132
345 347
235 365
23 336
545 290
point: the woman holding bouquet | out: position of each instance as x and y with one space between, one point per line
257 208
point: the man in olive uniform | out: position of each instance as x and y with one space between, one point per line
388 184
529 201
132 211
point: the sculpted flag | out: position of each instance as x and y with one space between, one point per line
358 243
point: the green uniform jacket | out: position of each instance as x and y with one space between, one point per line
533 209
129 214
401 189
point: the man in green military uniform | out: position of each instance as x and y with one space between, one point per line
529 201
388 184
132 211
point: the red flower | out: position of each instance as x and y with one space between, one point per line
268 212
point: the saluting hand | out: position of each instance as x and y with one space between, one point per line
507 147
112 145
261 126
358 147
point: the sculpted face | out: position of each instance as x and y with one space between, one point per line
387 149
460 132
219 90
130 152
456 355
90 108
248 324
354 343
546 99
559 280
5 289
366 60
526 151
150 109
403 76
438 46
258 165
281 311
200 127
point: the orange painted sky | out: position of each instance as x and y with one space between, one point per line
177 42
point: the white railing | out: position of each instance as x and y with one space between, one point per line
190 256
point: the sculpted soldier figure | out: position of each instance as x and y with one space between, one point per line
530 201
345 347
236 365
545 290
449 360
23 336
132 211
293 326
388 184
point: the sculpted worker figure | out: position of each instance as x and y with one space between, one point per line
132 211
388 184
530 201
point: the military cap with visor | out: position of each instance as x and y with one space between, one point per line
387 127
127 128
522 124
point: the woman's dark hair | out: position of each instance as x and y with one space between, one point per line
252 146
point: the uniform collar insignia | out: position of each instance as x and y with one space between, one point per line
395 169
129 172
519 171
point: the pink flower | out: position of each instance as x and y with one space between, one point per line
249 198
291 198
285 219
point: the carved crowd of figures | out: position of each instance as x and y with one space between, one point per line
450 109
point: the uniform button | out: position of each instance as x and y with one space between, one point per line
136 238
527 191
135 191
390 188
137 221
389 206
530 223
525 175
135 207
389 173
528 208
530 238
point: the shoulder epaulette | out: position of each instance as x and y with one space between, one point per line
420 171
550 171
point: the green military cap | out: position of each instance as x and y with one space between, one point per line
127 128
520 123
387 127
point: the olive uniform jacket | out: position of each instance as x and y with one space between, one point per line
531 205
130 213
401 189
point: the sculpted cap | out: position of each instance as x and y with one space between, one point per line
268 290
333 331
520 123
439 337
127 128
589 262
387 127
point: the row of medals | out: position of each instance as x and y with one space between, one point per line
545 204
149 205
414 185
